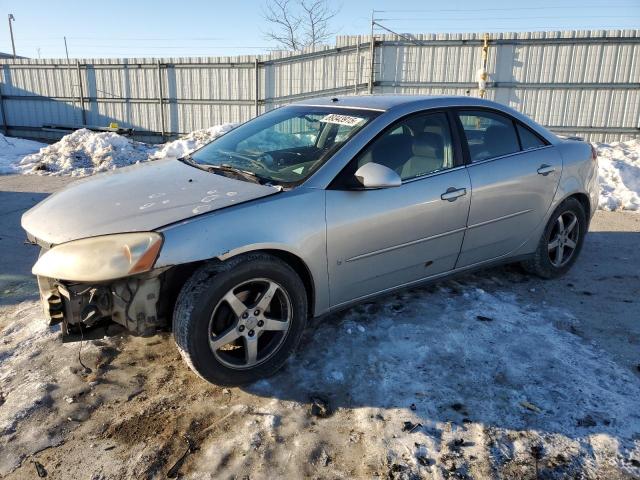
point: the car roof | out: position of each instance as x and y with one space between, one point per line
384 102
389 102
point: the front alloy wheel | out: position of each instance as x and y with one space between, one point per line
238 321
250 323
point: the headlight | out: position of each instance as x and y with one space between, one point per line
100 258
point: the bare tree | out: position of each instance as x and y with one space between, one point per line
296 24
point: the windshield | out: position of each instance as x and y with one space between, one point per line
283 146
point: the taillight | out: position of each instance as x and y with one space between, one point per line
594 152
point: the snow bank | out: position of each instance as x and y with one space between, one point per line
619 172
13 149
192 141
85 152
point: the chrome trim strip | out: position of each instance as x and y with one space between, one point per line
433 174
448 273
402 245
504 217
487 160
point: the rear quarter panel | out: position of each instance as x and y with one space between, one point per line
579 175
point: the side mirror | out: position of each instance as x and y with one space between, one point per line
374 175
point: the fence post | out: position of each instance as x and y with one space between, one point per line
160 102
357 79
2 109
81 94
372 60
257 93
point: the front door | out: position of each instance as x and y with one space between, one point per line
381 239
514 175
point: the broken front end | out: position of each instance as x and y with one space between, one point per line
130 302
110 277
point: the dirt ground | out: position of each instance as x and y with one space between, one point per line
492 375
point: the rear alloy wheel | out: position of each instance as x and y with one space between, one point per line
561 241
238 321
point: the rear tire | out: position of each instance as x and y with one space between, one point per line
561 241
238 321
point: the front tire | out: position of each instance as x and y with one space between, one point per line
561 241
238 321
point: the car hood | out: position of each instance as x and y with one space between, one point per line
142 197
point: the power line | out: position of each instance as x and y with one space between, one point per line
465 10
554 17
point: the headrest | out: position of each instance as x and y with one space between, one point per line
497 137
428 145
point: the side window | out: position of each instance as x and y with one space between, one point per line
413 147
488 134
528 139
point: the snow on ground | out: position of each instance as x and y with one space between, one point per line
12 150
619 172
85 152
459 380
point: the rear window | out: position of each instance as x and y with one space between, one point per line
528 139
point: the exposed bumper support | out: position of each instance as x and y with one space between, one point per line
131 302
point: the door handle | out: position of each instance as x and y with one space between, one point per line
546 169
453 193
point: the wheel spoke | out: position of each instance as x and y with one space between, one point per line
559 255
570 243
266 298
572 224
251 350
560 224
235 303
226 338
553 244
275 325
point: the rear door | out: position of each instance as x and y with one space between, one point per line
514 175
380 239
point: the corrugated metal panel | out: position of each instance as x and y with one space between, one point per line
582 80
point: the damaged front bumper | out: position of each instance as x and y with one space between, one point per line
131 302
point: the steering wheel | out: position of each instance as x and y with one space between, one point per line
249 160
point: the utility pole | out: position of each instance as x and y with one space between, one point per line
372 55
13 45
66 49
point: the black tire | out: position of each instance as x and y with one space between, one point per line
205 289
541 263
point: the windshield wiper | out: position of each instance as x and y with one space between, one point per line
241 173
247 175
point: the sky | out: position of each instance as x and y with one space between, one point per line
161 28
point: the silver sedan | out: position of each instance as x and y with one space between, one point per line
306 210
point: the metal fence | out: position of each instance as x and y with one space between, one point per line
576 82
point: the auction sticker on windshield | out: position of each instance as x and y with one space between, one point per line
348 120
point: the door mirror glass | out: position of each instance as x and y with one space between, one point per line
374 175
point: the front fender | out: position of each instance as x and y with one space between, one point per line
292 222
